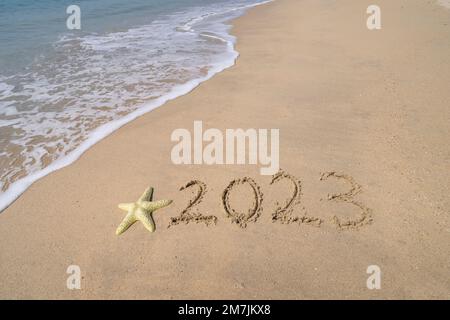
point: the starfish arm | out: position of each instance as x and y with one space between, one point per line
126 206
153 205
147 195
147 220
129 219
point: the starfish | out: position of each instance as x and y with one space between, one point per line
141 210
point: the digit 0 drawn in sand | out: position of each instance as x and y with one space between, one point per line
284 214
187 215
253 213
366 213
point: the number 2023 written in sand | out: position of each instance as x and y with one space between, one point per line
283 214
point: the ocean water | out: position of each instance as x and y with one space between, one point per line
63 90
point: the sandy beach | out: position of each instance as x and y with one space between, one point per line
364 123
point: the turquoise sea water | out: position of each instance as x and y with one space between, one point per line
28 28
63 90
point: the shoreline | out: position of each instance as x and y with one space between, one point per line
18 187
349 104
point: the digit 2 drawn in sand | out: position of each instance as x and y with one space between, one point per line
284 214
187 215
253 213
366 213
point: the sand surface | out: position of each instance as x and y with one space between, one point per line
370 108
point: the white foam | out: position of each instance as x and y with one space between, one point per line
7 123
8 110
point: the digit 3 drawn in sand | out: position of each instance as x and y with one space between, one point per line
187 215
284 214
253 213
366 213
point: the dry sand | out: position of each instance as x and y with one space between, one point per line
370 105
